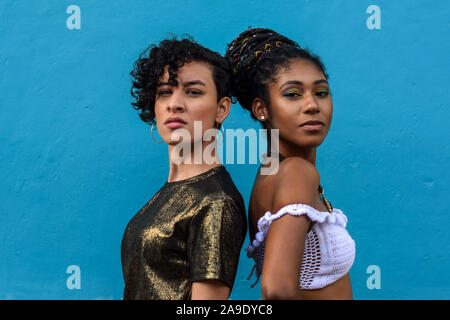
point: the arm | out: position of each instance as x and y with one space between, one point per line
210 290
214 242
297 182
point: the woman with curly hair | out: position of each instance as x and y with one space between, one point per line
185 242
298 240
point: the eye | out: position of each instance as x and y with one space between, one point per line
193 92
164 92
322 93
292 93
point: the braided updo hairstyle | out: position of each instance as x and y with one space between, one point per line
256 56
149 67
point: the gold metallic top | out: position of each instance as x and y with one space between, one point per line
191 230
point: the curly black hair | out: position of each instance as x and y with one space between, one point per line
148 69
256 56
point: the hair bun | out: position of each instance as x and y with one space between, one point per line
252 44
255 57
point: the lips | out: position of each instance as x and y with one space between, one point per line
312 122
174 123
312 125
175 120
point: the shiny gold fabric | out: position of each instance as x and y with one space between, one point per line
191 230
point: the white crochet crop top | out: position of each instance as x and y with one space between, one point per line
329 250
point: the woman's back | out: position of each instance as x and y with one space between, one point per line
262 201
263 191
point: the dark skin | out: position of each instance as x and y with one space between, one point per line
299 94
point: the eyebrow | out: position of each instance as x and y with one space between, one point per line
296 82
185 84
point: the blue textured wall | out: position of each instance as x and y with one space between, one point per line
77 163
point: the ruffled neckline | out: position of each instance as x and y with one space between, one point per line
336 217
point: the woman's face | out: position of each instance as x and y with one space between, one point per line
193 99
300 94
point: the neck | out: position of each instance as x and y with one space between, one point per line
192 164
288 149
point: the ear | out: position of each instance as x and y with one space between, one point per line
259 110
223 109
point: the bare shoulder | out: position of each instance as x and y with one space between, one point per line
297 181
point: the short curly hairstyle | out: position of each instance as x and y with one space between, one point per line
256 56
148 69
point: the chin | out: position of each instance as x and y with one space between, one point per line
310 142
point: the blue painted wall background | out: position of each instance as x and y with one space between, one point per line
77 163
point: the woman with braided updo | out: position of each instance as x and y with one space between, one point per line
298 240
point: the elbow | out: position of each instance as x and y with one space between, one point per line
280 291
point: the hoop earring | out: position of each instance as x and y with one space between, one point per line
154 137
223 135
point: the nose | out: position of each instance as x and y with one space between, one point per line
310 104
176 102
